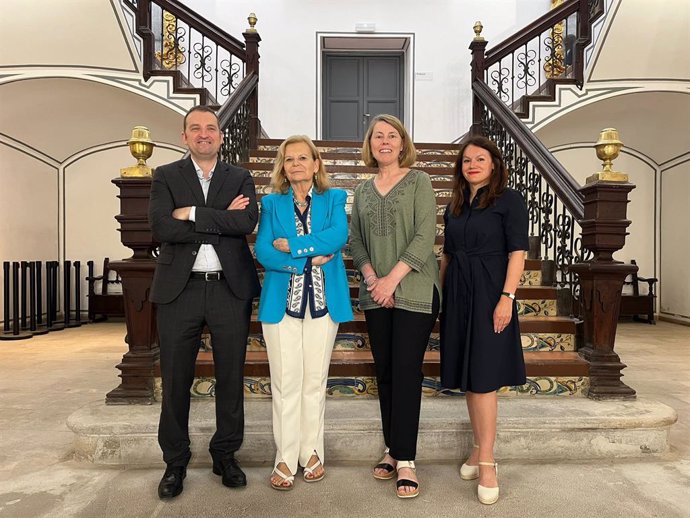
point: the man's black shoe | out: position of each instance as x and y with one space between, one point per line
171 483
230 471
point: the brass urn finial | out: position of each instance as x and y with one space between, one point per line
608 148
252 19
141 147
478 27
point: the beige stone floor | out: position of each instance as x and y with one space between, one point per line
45 379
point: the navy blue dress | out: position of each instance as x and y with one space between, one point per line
473 357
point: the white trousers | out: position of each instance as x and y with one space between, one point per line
299 354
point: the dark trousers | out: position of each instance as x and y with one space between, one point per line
398 340
180 324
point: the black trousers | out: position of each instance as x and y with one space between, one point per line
180 324
398 340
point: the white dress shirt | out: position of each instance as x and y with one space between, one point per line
206 258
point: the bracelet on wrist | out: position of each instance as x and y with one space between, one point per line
367 280
511 296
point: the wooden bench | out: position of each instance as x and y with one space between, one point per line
639 307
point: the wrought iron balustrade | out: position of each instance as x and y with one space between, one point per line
549 50
553 201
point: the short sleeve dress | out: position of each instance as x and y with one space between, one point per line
473 357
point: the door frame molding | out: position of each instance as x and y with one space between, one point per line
408 69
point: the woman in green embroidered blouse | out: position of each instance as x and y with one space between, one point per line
392 234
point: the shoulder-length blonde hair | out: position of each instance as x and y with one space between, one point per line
279 181
498 180
408 155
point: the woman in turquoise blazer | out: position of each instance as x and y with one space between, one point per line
305 295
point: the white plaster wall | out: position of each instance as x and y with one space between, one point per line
442 30
85 33
640 243
28 209
675 241
655 33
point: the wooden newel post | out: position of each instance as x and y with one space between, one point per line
604 228
251 41
138 363
478 46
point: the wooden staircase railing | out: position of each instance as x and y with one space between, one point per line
583 259
204 60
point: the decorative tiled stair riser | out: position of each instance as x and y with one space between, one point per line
365 386
360 342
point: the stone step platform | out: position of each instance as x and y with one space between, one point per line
529 429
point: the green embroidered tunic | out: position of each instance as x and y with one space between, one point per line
400 226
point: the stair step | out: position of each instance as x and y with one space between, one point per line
268 156
361 363
530 264
528 324
351 183
354 169
329 145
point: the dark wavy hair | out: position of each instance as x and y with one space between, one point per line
497 181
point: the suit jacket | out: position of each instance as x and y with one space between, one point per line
177 185
327 235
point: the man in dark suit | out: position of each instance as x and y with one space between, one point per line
201 210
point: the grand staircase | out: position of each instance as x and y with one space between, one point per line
554 367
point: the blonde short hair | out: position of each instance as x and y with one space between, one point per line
407 157
279 181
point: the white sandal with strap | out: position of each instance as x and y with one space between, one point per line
488 495
286 478
310 471
468 472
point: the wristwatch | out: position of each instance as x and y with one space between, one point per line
509 295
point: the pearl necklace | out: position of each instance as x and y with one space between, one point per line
300 204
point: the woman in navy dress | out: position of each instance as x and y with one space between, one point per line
482 262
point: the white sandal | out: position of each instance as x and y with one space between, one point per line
310 471
286 478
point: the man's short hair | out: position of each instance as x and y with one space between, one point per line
199 108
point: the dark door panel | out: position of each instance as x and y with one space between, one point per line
356 88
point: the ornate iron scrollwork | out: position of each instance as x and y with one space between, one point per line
173 53
526 75
231 72
499 78
235 146
202 59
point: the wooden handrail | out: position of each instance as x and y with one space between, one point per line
563 184
512 43
201 24
238 97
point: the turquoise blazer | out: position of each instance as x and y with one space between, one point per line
328 235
